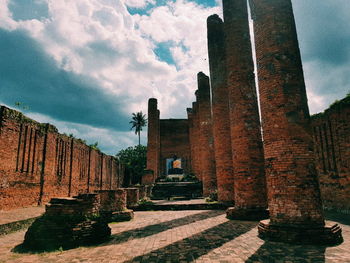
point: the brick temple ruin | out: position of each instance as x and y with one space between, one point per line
293 164
283 167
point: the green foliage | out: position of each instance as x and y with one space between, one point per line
95 146
134 159
340 103
145 204
138 120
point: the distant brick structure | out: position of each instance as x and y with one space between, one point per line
174 140
153 143
37 163
294 195
331 133
206 142
220 109
167 138
247 150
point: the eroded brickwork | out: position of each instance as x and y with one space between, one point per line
293 189
247 150
38 163
206 142
331 132
220 109
190 135
196 146
153 138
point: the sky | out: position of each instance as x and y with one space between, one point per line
86 65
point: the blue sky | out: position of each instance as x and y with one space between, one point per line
86 65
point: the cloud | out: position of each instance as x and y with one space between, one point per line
324 38
28 75
90 63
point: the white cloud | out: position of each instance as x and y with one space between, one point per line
101 40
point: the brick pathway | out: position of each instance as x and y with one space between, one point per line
183 236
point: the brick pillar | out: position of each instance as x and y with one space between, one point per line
220 109
152 137
247 150
196 149
190 133
293 189
206 144
158 164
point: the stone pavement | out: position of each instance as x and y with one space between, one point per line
183 236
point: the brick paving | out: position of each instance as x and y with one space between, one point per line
183 236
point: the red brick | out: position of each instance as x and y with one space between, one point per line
206 143
247 150
293 189
220 109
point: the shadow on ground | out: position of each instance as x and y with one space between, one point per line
157 228
281 252
193 247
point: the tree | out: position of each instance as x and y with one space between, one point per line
138 121
134 159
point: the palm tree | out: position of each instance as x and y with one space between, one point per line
138 121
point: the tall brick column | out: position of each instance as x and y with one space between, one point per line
153 137
247 150
220 109
190 131
196 149
206 143
293 189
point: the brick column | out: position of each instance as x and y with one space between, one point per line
157 169
152 137
220 109
248 157
196 133
206 143
190 132
293 189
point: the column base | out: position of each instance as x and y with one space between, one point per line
247 214
330 234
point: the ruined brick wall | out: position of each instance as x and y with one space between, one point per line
37 163
174 140
331 131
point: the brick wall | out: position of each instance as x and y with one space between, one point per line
174 140
37 163
331 131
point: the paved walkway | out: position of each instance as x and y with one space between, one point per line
183 236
